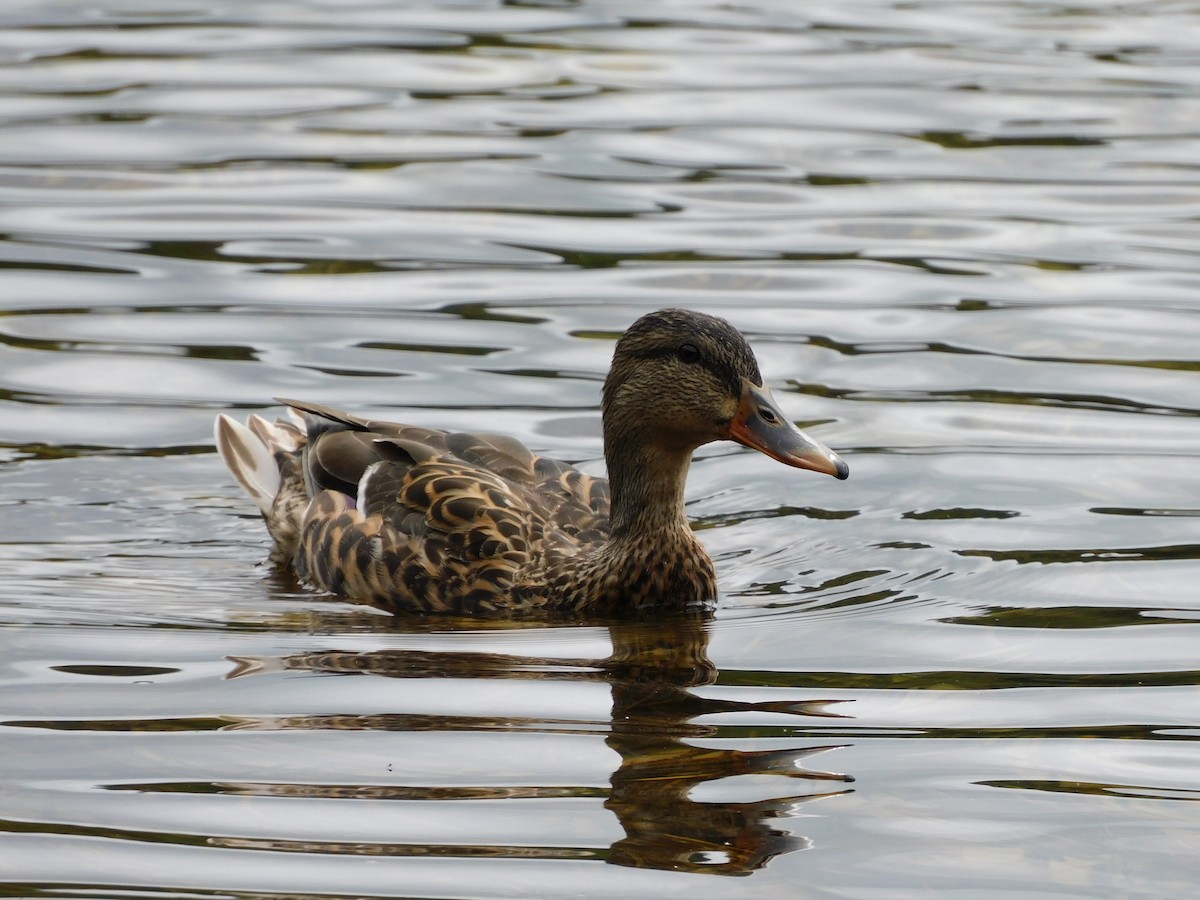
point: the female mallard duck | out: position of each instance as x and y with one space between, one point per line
417 520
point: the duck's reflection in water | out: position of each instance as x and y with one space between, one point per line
653 670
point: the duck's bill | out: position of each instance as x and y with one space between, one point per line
760 424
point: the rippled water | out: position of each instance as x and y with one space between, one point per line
962 238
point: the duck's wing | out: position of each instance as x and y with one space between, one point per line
569 498
432 520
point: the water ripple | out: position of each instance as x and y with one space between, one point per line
961 241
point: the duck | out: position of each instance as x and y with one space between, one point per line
416 520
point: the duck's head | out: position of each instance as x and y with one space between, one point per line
681 379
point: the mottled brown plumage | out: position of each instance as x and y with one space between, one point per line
419 520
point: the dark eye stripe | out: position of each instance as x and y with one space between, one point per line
726 375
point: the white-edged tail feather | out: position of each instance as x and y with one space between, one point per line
249 458
279 436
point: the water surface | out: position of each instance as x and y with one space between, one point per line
961 238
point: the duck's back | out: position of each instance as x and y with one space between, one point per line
413 518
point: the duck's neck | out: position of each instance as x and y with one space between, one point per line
651 556
646 484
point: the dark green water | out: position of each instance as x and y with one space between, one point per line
963 240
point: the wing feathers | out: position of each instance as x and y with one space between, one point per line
248 458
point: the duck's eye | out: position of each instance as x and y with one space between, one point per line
689 353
